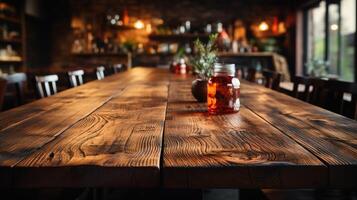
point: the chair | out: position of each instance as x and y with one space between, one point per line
239 72
2 90
319 94
76 77
306 82
46 81
271 79
117 68
336 101
17 80
100 72
249 74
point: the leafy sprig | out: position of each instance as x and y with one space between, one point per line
206 57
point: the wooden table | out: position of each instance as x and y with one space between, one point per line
142 128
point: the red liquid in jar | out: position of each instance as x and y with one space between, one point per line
223 95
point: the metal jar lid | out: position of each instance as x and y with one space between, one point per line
221 68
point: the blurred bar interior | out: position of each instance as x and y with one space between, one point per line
294 37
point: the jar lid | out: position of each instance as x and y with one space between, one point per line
224 68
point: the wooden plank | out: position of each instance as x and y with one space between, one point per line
30 135
236 150
118 145
16 142
331 137
95 88
22 135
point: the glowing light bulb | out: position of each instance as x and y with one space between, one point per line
139 24
334 27
263 26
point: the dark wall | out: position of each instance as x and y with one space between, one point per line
54 36
38 42
197 11
46 26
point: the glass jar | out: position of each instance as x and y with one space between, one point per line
223 90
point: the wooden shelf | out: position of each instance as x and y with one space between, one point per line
10 19
11 41
155 54
14 22
10 60
99 54
119 28
178 38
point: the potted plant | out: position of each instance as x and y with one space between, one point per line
202 65
317 68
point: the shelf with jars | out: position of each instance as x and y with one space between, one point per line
11 36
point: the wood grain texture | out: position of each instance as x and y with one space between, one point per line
109 133
236 150
23 144
104 88
117 145
331 137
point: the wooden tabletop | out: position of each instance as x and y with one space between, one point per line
142 128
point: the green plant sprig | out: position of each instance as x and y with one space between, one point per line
206 57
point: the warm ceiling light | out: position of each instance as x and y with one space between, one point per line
263 26
334 27
148 28
113 21
139 24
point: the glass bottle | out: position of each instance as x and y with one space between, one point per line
181 67
223 90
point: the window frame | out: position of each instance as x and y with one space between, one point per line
305 9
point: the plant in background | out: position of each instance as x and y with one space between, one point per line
179 54
128 46
317 68
206 56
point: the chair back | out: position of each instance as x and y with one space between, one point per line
319 93
18 80
249 74
271 79
46 85
337 103
100 73
117 68
2 90
76 77
303 81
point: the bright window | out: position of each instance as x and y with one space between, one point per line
348 31
330 32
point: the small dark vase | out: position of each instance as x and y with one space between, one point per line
199 90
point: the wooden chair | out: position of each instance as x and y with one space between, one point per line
271 79
117 68
2 90
76 77
336 102
249 74
319 94
100 73
18 81
43 85
306 82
